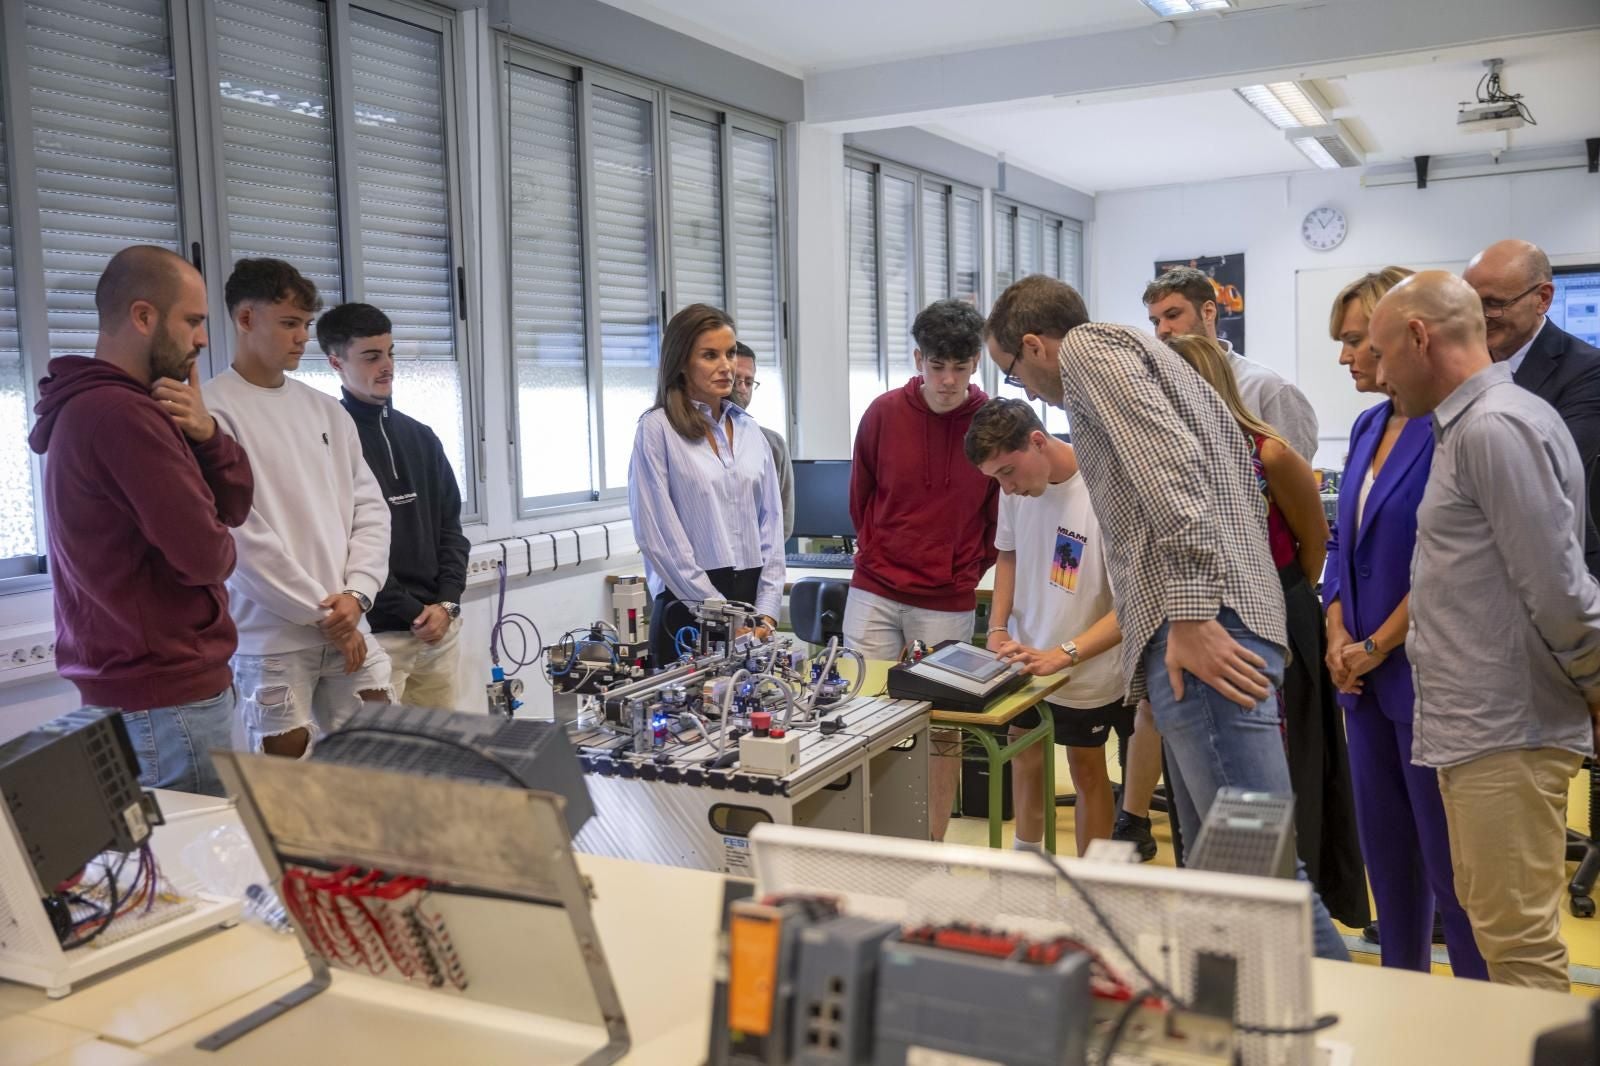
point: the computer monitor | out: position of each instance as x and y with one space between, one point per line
1576 306
822 498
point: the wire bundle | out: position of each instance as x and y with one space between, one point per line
512 622
369 920
92 908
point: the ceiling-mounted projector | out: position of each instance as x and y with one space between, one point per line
1490 117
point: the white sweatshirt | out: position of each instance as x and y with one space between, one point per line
319 524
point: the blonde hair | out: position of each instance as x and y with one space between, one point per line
1366 290
1211 363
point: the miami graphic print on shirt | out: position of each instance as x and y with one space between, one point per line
1067 559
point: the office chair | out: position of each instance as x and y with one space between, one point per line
816 608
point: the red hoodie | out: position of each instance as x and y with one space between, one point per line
925 517
138 521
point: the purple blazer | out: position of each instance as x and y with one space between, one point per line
1369 569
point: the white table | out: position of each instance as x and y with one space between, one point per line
658 925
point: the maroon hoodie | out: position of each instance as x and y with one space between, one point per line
138 519
925 517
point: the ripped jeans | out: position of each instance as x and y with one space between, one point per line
305 689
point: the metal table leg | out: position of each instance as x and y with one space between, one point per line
997 756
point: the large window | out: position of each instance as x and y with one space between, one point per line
626 203
1030 241
317 131
911 239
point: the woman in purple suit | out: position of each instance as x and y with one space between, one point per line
1366 591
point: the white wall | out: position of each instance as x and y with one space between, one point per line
557 602
1447 222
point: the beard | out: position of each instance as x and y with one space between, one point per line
168 357
741 402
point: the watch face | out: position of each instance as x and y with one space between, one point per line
1323 229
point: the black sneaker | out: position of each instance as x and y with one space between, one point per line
1136 831
1370 933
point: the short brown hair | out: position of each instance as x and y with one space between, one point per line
1037 304
1002 425
677 347
269 281
1366 290
1193 285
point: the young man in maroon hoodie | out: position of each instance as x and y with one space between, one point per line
924 516
140 488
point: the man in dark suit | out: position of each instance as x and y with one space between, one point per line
1514 281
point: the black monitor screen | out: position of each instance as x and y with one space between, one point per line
822 498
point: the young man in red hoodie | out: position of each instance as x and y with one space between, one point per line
140 488
924 516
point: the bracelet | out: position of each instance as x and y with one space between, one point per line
999 629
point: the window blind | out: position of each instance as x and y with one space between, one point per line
17 535
1004 249
696 154
935 244
1072 255
1027 245
547 284
623 163
757 300
1052 248
100 100
968 265
281 187
861 244
900 274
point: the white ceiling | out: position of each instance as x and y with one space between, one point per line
809 35
1403 111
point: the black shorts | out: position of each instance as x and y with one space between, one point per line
1089 727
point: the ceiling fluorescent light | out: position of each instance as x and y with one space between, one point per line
1330 147
1173 8
1285 104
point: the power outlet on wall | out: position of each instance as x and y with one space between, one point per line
26 651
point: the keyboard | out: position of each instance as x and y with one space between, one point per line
821 560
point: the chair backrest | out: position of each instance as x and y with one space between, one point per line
816 608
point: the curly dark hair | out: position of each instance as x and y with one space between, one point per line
949 329
268 281
1002 425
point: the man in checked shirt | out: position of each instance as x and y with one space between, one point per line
1199 601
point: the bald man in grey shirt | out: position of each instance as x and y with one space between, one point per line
1505 620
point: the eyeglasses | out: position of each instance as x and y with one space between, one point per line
747 383
1493 308
1011 374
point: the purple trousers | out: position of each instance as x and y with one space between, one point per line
1406 845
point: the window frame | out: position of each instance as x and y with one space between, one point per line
1051 224
206 136
665 101
921 181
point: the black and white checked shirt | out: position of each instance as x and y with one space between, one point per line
1169 475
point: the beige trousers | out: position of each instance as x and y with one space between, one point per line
424 674
1507 814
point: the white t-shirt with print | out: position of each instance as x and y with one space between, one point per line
1062 585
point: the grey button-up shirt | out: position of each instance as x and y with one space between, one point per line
1276 400
1505 619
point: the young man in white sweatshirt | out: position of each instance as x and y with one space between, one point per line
315 550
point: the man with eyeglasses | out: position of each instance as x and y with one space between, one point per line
744 390
1515 284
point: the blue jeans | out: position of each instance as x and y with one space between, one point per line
174 744
1213 743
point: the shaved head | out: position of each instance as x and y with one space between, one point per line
1427 336
1513 280
140 272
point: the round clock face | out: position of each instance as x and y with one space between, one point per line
1323 228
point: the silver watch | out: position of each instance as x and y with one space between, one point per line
451 609
1071 648
360 598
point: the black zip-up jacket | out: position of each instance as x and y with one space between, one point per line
427 551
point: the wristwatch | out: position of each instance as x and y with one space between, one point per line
360 598
451 609
1071 648
1371 647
